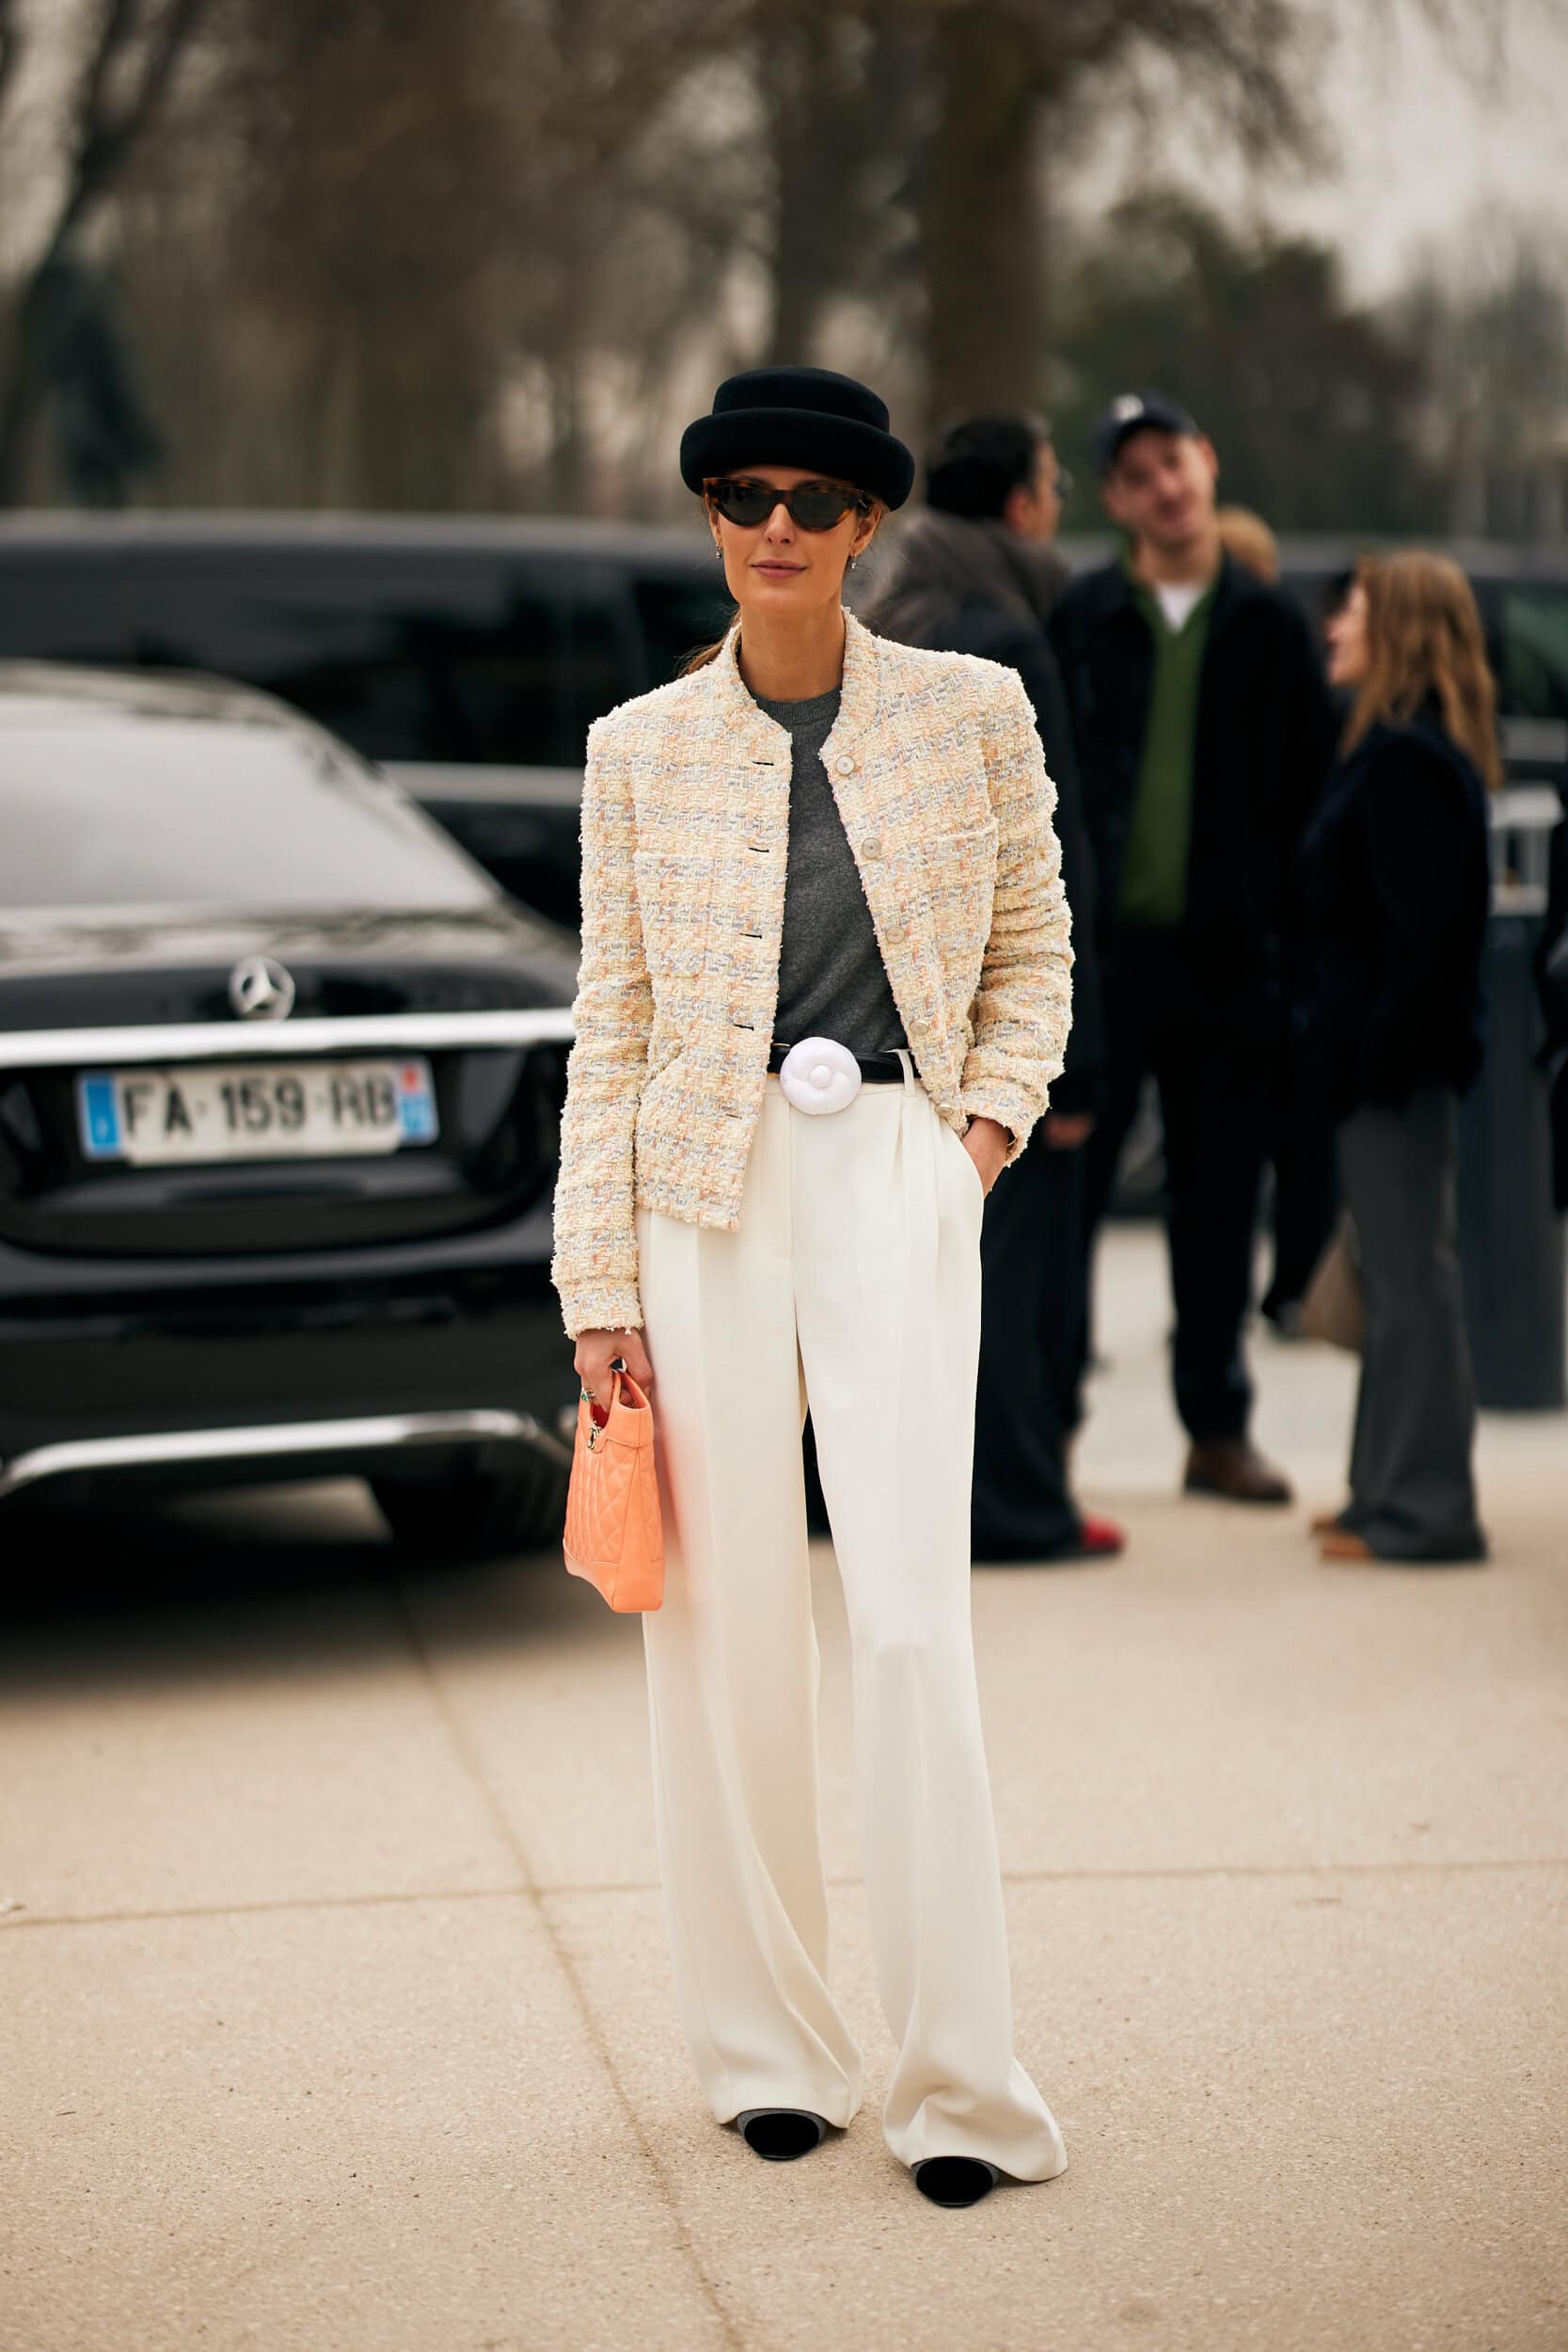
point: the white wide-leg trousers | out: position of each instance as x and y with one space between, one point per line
853 1283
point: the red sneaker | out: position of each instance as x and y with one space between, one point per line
1099 1538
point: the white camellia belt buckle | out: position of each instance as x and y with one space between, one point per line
819 1075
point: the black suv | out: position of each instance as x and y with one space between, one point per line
280 1083
470 658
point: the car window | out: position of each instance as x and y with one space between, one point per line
676 617
68 610
493 678
404 659
602 659
1533 652
407 654
101 811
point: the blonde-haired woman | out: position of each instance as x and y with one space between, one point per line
1396 890
824 993
1248 538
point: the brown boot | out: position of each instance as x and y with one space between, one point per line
1233 1467
1344 1543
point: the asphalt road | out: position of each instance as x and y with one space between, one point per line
334 2007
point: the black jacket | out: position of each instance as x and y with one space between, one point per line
1264 747
980 627
1395 890
1551 972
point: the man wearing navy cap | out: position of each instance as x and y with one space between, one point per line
1205 731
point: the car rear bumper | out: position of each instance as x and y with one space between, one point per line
292 1448
253 1375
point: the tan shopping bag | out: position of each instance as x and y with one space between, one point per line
1335 1307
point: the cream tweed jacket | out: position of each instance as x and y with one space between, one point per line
936 770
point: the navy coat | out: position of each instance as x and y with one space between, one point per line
1395 891
978 626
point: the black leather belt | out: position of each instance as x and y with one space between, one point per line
876 1070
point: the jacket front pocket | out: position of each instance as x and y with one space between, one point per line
673 891
958 877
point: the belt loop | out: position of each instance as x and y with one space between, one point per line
907 1061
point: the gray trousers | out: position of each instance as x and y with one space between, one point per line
1411 1491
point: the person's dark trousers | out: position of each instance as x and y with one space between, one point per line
1032 1275
1305 1194
1412 1491
1212 1052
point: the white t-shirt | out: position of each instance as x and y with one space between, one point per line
1177 603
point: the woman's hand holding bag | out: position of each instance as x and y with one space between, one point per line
614 1531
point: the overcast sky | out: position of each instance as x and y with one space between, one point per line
1430 135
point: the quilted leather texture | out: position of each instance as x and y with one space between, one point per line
614 1535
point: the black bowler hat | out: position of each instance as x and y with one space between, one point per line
798 417
1129 413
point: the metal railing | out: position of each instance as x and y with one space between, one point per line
1524 818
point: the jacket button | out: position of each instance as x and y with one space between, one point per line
872 848
893 931
844 764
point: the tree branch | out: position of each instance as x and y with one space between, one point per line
11 46
105 137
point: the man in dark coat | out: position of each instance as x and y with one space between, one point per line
1205 731
1551 975
973 574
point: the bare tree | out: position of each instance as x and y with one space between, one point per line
998 74
450 218
133 52
381 254
840 90
968 97
1488 323
11 46
608 81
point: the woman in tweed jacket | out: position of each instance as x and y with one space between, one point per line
824 993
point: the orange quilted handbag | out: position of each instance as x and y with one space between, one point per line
614 1533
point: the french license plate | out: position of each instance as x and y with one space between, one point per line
271 1111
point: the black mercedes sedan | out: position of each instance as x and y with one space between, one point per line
281 1082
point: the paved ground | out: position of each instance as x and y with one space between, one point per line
334 1998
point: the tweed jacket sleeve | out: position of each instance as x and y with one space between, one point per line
939 777
1023 1011
595 1267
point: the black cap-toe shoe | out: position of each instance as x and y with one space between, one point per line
782 2134
954 2180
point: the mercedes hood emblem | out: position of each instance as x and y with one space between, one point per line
261 990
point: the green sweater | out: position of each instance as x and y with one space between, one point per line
1154 873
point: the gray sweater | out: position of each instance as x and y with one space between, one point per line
832 979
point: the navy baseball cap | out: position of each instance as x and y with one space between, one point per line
1129 413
